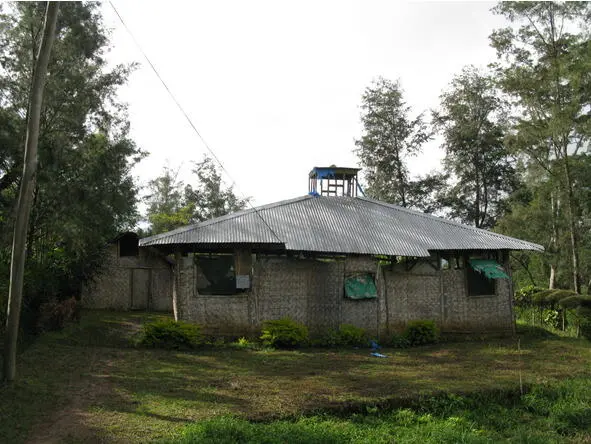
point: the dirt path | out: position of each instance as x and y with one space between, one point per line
72 423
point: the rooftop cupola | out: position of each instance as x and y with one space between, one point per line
333 181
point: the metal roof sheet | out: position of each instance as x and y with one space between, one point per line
351 225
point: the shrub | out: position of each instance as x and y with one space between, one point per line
421 332
54 315
524 296
284 333
350 335
584 315
244 343
399 341
171 334
329 338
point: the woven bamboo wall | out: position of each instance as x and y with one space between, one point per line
112 289
311 292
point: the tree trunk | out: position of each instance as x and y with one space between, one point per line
552 280
25 198
554 240
574 243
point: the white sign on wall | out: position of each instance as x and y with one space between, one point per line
242 281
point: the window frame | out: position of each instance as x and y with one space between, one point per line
491 283
219 291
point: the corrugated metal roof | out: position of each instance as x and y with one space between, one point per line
354 225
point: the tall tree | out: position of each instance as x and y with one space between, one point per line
166 208
473 120
209 196
84 193
390 136
172 205
544 66
25 197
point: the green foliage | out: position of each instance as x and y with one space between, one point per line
421 333
399 341
524 296
171 335
284 333
209 197
390 135
351 335
473 120
85 193
246 344
575 301
330 338
172 204
551 318
346 335
544 60
548 413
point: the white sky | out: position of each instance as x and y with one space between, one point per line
274 87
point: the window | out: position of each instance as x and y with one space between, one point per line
218 275
128 245
479 284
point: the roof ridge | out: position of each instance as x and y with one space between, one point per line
449 222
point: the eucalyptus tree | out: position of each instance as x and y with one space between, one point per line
390 136
472 118
84 191
544 63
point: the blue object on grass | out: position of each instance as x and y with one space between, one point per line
379 355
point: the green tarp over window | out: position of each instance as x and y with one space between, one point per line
491 269
360 286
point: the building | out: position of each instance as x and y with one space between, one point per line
332 257
133 279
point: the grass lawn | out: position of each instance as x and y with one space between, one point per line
90 384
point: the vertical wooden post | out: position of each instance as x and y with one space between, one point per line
507 265
176 281
25 197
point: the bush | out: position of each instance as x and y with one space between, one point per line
172 335
584 316
524 296
350 335
55 314
399 341
421 333
284 333
329 338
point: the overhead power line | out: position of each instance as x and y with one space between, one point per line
180 107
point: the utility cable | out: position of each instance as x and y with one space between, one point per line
180 107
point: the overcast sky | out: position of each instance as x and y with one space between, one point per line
274 87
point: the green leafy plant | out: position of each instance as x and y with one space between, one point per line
421 333
284 333
330 338
350 335
524 296
399 341
172 335
245 343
